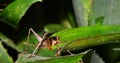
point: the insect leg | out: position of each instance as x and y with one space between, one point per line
58 51
69 52
35 49
36 35
40 41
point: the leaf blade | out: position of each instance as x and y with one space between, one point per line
13 13
4 57
70 59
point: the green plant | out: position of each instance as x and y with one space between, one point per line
93 36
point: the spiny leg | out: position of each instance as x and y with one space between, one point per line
39 45
36 35
26 48
44 35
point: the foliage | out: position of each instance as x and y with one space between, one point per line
3 53
93 41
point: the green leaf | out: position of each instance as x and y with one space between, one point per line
8 41
4 57
69 35
38 59
13 13
109 9
85 37
93 41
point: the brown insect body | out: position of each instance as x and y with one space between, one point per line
50 41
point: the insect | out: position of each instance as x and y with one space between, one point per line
44 41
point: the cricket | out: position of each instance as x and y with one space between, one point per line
44 42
